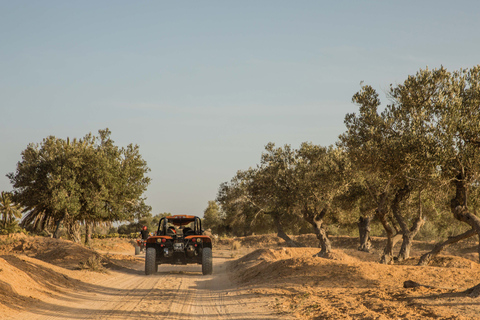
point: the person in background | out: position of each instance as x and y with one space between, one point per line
144 233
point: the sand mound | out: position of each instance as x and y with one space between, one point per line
288 253
296 266
343 286
443 261
114 245
25 280
58 252
452 262
33 268
67 254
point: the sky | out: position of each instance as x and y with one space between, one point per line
203 86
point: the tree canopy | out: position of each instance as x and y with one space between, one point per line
404 163
89 180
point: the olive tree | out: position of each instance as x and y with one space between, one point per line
454 110
274 189
87 181
242 216
380 148
321 175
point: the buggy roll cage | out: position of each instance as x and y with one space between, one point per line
179 220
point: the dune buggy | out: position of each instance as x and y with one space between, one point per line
179 240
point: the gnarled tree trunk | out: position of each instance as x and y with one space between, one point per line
392 234
408 239
73 229
364 231
392 240
427 257
315 218
281 234
458 206
407 233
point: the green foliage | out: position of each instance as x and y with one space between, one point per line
403 162
212 218
10 227
133 235
285 183
9 213
89 180
151 222
242 216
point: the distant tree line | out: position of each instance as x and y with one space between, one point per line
413 161
148 220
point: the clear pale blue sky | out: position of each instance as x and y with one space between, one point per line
203 86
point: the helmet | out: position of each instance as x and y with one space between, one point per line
144 228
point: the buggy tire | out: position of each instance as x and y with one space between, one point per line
207 261
137 250
150 263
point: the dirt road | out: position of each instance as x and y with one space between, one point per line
175 292
44 278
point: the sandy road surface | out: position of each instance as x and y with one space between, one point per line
175 292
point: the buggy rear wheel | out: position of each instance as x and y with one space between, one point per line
207 263
150 263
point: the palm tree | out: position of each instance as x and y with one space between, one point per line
9 210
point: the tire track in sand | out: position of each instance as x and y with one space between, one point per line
175 292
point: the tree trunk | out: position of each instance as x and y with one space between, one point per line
406 246
364 231
324 242
392 238
315 218
73 230
88 233
387 256
410 234
408 239
281 234
407 233
392 235
458 206
427 257
56 233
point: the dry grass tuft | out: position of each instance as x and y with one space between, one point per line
236 245
93 263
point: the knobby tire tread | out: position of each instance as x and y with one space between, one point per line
207 261
150 263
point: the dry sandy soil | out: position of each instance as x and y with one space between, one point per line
254 278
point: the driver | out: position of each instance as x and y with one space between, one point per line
171 230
